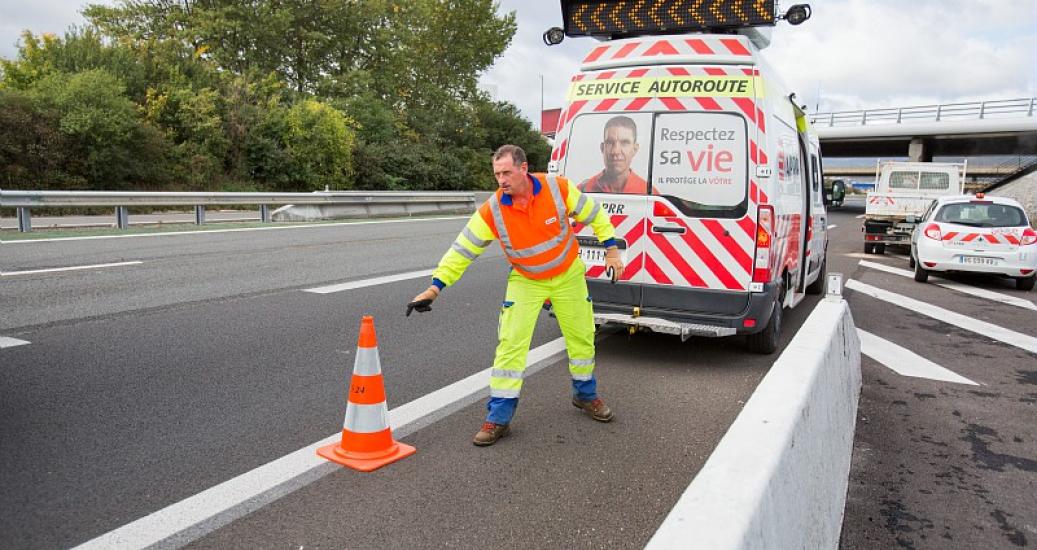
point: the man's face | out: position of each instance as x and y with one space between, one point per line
618 149
511 178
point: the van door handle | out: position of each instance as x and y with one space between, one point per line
668 229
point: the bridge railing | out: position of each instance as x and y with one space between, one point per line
371 203
976 110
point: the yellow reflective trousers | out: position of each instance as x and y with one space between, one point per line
522 304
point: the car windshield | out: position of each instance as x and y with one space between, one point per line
981 214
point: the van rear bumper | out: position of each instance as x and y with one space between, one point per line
698 323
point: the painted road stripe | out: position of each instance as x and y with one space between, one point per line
6 342
906 362
198 515
963 288
370 282
833 226
238 230
859 217
73 268
983 328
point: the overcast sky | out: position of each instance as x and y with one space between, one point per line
858 53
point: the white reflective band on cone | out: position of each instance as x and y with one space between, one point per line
367 362
365 419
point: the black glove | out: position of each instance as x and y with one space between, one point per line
420 305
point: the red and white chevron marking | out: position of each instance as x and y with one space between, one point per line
1002 238
704 49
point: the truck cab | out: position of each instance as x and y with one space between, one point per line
903 192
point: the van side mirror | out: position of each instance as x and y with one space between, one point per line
827 198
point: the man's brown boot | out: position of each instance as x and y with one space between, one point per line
490 433
598 409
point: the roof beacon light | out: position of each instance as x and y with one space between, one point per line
554 36
797 14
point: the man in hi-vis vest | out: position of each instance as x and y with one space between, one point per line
529 215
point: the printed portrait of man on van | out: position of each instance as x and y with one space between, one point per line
619 147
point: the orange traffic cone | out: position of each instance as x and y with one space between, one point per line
367 442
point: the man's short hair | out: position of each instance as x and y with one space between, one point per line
621 121
518 156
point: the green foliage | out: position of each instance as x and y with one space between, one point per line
291 95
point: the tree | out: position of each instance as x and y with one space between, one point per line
107 145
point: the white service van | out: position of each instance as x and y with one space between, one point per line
712 177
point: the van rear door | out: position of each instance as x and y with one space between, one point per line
699 234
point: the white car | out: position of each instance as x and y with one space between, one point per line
977 234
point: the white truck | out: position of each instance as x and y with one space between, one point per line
903 190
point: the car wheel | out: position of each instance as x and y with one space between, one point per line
880 248
921 274
1026 283
911 261
766 341
869 248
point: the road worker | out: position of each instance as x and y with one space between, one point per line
529 214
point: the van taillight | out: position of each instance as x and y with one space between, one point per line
1029 237
933 232
764 238
662 210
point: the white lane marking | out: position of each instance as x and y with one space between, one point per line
983 328
198 515
963 288
7 342
833 226
237 230
73 268
906 362
370 282
859 217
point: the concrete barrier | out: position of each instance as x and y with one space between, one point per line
779 476
376 204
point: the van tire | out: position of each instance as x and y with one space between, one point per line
1025 283
818 286
921 273
911 261
880 248
869 248
766 341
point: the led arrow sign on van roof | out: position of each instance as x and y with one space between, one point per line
612 18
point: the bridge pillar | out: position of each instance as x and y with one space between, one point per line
920 150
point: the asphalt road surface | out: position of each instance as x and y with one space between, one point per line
145 383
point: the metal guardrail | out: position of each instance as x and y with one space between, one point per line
977 110
121 200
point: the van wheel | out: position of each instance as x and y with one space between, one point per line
1026 283
869 248
880 248
766 341
818 286
921 273
911 261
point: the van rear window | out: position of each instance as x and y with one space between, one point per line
701 161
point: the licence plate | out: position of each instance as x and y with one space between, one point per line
979 260
595 255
